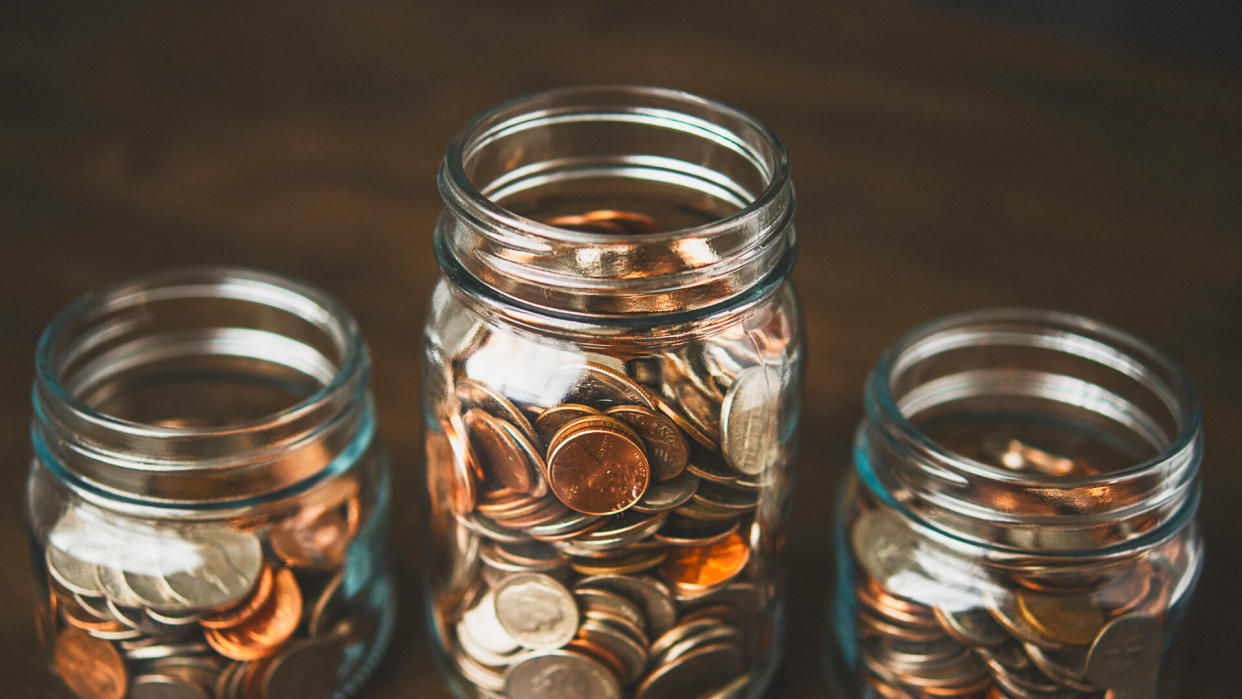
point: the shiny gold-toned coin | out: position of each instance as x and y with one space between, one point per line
598 471
1069 619
90 667
260 635
701 567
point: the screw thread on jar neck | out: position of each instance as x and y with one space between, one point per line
199 387
1032 431
615 205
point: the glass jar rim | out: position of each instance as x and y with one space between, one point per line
882 405
491 122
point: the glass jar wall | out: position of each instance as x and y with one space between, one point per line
208 497
612 372
1019 521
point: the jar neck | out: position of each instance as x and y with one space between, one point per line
1033 432
200 388
616 205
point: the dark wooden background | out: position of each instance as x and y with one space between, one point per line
945 159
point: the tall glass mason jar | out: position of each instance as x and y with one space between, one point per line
1020 518
612 373
208 498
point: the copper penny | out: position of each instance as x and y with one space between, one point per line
472 394
450 480
1070 619
264 632
317 539
553 419
587 421
698 435
598 471
89 666
248 608
498 455
667 450
702 567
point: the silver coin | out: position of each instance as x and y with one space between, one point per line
750 438
652 596
974 626
612 603
71 572
111 582
1125 656
146 650
482 676
484 527
483 627
721 633
164 686
699 671
230 564
97 606
536 610
631 653
661 497
560 674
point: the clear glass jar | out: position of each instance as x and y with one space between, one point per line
208 498
1020 519
612 373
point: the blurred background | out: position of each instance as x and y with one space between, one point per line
948 155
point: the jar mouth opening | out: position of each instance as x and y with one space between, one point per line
1060 333
656 107
104 333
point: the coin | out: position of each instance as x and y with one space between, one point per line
306 669
589 383
604 422
681 531
748 421
229 565
630 650
598 471
475 395
536 610
90 667
699 671
667 450
233 616
71 572
498 455
560 674
1125 656
702 567
605 657
650 594
316 539
974 627
259 635
703 438
1070 619
553 419
622 564
661 497
166 686
606 221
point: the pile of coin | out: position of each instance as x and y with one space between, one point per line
1023 635
611 537
143 609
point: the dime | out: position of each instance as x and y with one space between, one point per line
598 471
589 383
481 627
699 671
475 395
1070 619
748 421
631 651
90 667
272 625
536 610
560 674
703 567
661 497
667 450
497 453
72 573
650 594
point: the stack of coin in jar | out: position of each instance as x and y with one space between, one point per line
142 609
1030 632
612 532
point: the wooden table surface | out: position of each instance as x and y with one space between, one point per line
942 162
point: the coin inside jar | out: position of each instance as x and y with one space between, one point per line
598 471
536 610
702 567
667 450
497 453
260 635
89 666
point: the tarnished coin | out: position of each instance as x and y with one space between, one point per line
749 427
701 670
90 667
306 669
593 384
652 596
262 633
497 453
667 451
598 471
560 674
1072 619
473 394
702 567
536 610
230 564
1125 657
661 497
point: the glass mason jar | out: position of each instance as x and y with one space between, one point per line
1020 519
612 373
208 497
